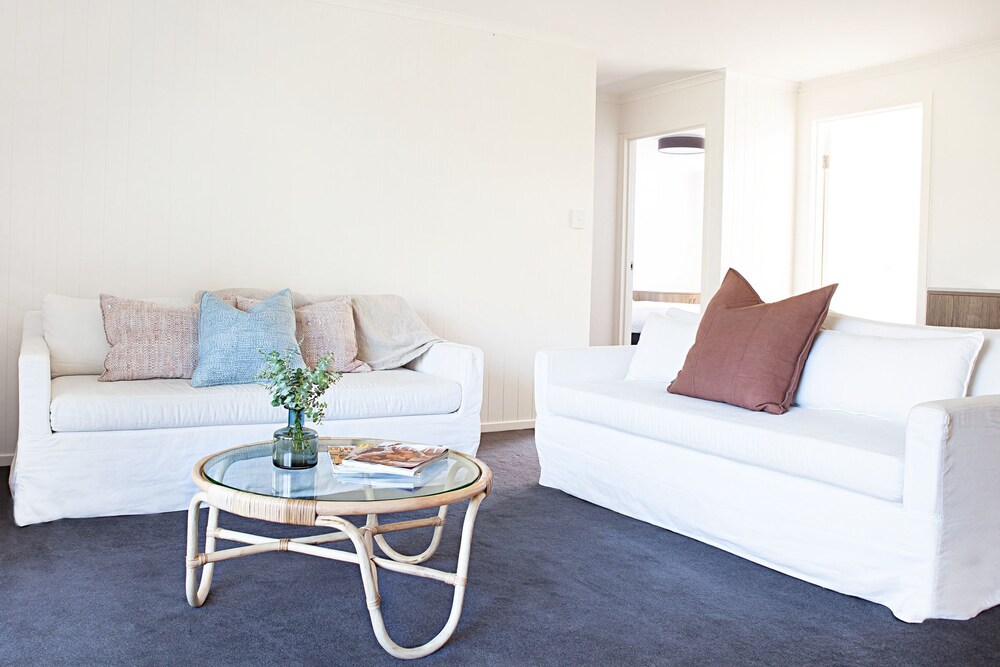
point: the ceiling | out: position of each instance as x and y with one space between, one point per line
640 43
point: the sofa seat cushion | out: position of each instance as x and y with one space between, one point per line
855 452
81 403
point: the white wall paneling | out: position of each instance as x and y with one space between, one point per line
759 181
961 103
164 146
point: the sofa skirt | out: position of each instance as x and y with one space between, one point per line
91 474
832 537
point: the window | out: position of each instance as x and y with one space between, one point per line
869 212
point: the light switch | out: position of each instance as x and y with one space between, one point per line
578 218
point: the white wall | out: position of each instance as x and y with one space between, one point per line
759 182
159 147
961 106
607 232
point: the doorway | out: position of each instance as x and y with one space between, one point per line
868 217
664 214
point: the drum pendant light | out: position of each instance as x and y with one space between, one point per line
681 144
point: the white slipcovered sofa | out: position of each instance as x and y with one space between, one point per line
87 448
903 511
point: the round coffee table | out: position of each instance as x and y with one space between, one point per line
243 481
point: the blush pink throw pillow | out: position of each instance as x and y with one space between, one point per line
749 353
322 328
148 340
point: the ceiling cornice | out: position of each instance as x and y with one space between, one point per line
898 67
665 88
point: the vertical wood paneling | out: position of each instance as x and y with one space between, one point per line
69 176
758 182
8 334
52 29
95 117
23 157
158 147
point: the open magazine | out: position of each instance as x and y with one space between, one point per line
390 458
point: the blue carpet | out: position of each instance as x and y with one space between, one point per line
554 581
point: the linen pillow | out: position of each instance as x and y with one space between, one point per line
885 377
749 353
230 340
322 328
148 340
985 376
665 341
73 329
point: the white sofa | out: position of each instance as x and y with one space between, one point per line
904 512
87 448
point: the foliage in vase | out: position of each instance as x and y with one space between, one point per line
297 388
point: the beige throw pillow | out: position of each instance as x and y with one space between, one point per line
326 327
148 340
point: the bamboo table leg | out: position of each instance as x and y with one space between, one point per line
458 579
363 539
402 558
197 591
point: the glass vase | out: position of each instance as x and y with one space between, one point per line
295 446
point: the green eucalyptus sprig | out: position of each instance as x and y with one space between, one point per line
297 388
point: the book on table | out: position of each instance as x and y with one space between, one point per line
390 458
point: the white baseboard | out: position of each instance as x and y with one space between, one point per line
6 459
492 427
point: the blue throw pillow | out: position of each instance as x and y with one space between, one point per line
229 339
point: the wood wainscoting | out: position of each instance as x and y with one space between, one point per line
964 308
667 297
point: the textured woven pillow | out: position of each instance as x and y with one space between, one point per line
749 353
322 328
74 331
148 340
230 340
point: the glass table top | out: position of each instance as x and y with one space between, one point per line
250 469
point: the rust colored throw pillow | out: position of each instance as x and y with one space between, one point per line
148 340
749 353
326 327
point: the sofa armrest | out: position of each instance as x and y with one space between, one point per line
952 458
34 379
576 364
950 477
460 363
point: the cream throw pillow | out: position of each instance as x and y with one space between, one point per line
148 340
663 345
74 331
322 328
886 377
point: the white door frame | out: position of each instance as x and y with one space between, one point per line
626 253
819 193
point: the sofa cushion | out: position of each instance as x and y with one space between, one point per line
886 377
148 340
859 453
232 343
74 331
664 343
750 353
985 378
81 403
323 328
